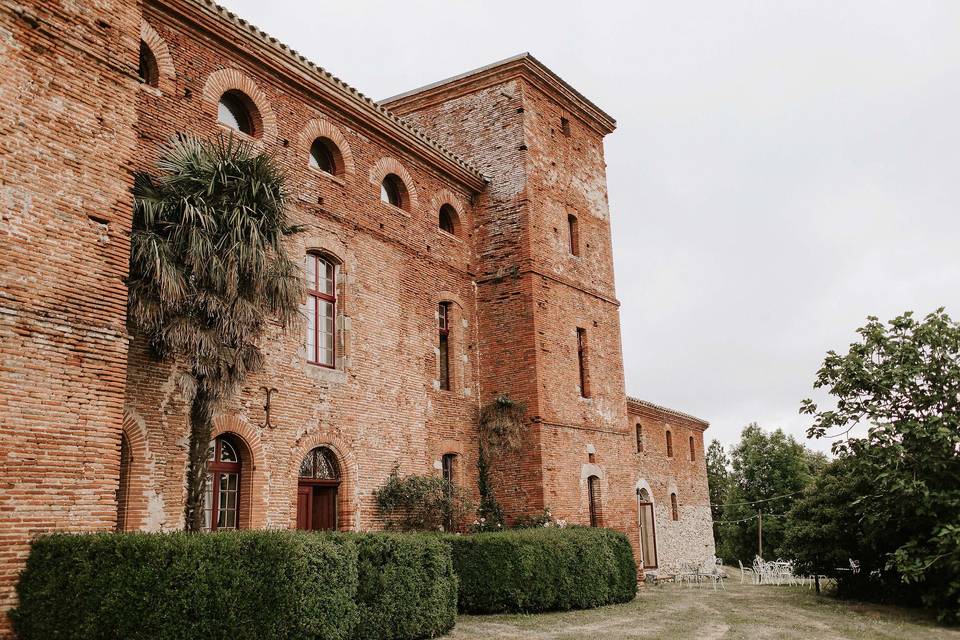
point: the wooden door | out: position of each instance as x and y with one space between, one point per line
304 504
324 509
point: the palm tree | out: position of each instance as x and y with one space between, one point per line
208 271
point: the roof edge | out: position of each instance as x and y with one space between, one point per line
325 84
657 407
481 77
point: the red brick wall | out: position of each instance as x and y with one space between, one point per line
67 96
381 407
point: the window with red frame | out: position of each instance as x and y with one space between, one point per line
222 504
321 310
443 318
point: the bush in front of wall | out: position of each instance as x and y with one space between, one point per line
543 569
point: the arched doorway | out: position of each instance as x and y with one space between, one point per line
317 488
222 503
123 488
648 529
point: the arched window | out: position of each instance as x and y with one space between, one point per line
648 529
392 191
123 488
447 465
639 438
448 219
669 444
317 488
574 234
674 510
325 156
593 495
222 504
693 450
148 70
321 310
237 111
443 343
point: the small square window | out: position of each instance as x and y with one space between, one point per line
565 126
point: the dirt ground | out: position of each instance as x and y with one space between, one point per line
742 611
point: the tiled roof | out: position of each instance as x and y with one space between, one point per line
325 76
657 407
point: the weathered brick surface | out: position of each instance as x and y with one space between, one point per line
73 382
67 116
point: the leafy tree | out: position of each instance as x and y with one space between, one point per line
208 271
719 481
901 381
769 470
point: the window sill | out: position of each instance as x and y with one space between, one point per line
449 236
152 90
240 135
327 176
395 209
319 373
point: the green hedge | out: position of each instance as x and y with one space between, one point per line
407 586
543 569
243 584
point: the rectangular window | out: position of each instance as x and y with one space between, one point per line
593 496
443 315
582 362
574 233
669 444
565 126
693 450
639 438
321 311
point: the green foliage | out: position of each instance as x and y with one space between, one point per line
502 424
407 587
421 503
208 270
254 584
901 381
250 584
765 466
543 569
719 482
489 512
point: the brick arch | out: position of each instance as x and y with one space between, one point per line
448 296
445 196
385 166
323 128
138 480
348 497
166 81
253 484
223 80
643 485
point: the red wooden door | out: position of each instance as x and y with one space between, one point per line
304 503
316 506
324 516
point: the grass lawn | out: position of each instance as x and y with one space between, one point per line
742 611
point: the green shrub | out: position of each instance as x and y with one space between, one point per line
407 587
251 584
543 569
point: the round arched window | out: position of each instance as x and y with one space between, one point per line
148 70
238 112
320 464
391 190
323 156
448 219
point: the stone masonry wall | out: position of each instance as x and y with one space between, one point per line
67 114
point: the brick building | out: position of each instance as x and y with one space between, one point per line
457 248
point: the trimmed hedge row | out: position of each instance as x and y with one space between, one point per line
298 585
543 569
242 585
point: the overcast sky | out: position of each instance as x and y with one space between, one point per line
780 170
